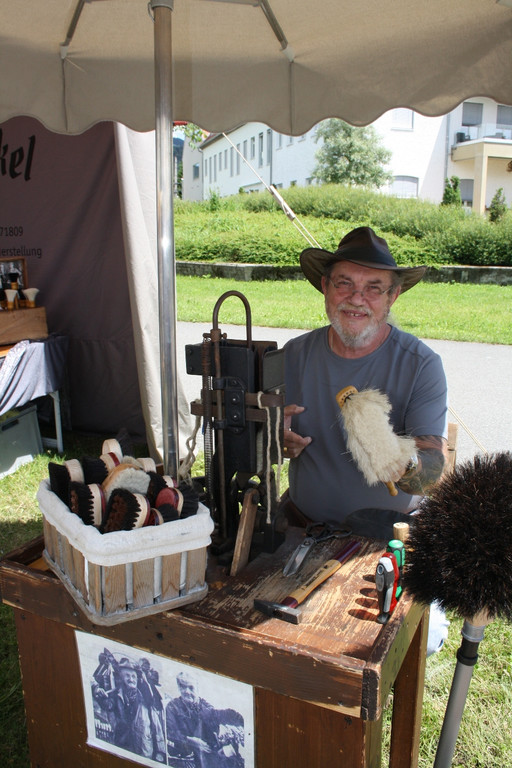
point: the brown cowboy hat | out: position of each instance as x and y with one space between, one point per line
361 246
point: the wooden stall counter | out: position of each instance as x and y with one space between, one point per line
319 686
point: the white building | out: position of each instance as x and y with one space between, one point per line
474 142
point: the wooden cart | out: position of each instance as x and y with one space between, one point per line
319 687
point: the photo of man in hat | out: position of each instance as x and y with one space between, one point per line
135 717
198 734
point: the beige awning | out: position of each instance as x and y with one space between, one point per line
347 59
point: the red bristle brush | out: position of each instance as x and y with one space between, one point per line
121 444
121 447
189 497
379 452
460 554
171 497
88 502
113 446
157 483
126 511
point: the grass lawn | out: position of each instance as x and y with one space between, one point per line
480 313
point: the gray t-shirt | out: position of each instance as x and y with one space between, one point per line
325 483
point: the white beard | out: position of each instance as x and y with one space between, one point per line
356 340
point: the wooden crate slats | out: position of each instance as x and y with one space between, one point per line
170 576
143 583
196 568
114 589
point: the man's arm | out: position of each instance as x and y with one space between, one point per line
431 452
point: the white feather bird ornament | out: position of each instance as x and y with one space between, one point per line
379 453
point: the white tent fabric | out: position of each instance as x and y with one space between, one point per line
352 60
137 185
82 213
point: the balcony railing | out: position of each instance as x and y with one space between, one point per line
484 131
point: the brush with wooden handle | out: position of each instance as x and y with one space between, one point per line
379 453
459 554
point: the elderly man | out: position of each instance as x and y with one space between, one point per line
136 725
360 282
198 735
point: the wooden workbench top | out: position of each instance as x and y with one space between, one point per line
338 657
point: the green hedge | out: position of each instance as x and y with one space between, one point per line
253 229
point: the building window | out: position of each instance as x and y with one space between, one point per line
504 115
220 161
269 146
260 149
215 167
279 140
253 147
466 191
402 119
405 186
238 160
245 149
472 113
231 171
206 166
225 159
195 171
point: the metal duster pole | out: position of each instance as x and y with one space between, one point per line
467 656
165 231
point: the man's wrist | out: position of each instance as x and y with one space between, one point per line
411 467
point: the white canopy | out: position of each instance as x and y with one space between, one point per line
347 59
218 63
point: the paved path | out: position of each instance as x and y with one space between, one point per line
479 383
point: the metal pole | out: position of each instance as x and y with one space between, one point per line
467 656
165 232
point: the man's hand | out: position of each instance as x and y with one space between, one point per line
200 744
294 444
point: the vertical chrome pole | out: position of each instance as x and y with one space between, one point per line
162 10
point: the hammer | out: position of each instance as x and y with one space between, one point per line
287 610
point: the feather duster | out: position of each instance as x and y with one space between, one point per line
379 453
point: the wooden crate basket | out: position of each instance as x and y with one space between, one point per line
116 577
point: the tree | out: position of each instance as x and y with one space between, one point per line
498 206
194 134
451 194
351 155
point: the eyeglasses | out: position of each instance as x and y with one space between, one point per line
369 292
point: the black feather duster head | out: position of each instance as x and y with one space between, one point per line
460 544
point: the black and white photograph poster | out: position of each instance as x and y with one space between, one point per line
156 711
